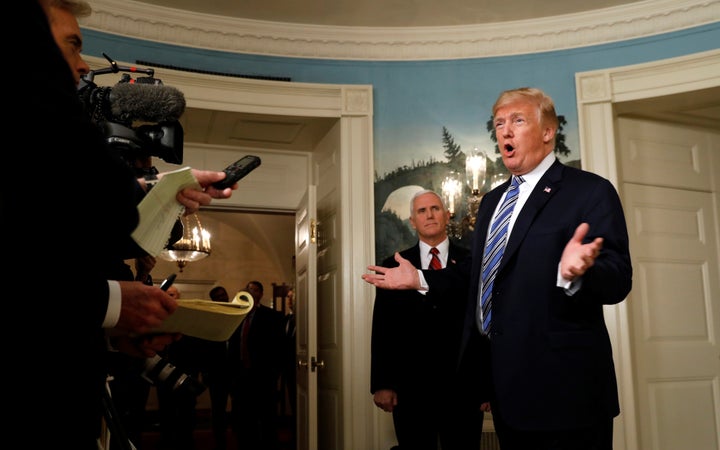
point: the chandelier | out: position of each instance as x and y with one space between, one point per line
193 246
452 192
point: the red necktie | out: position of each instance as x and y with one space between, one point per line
435 263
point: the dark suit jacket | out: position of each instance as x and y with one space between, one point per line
254 390
214 363
60 175
552 362
415 337
265 341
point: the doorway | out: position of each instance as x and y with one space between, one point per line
681 91
245 245
267 118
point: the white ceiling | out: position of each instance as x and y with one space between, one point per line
388 13
699 108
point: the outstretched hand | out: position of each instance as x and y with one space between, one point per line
404 276
577 257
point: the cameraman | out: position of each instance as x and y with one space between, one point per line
60 367
66 32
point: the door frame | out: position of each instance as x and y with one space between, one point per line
596 93
352 105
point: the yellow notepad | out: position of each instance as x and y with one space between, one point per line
206 319
160 209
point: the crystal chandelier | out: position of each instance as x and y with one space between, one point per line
193 246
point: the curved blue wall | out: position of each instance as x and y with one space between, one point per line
413 100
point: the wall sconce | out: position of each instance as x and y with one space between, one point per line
475 171
451 192
193 246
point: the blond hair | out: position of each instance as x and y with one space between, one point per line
545 104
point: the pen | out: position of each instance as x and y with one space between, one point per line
168 282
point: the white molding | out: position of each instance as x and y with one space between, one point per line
173 26
221 93
596 93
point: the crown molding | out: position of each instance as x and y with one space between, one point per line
173 26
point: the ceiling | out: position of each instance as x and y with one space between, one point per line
254 130
699 108
388 13
292 133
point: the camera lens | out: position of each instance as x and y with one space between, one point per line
161 372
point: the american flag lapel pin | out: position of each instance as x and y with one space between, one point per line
547 189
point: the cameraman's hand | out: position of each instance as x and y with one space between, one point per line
143 307
145 346
192 199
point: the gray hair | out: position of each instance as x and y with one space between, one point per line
78 8
423 192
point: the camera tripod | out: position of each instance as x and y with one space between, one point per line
113 436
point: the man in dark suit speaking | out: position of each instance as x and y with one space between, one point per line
415 343
550 248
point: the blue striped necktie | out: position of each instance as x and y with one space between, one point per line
494 249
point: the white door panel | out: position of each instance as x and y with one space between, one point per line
305 310
331 324
665 155
672 217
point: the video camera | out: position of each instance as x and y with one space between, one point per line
139 117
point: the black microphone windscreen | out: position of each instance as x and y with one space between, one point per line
146 102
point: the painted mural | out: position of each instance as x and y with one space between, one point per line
395 188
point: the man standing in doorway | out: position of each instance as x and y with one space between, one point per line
256 355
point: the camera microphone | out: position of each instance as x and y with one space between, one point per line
146 102
139 117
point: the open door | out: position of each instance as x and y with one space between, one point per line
305 313
334 152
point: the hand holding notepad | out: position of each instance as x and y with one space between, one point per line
160 209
